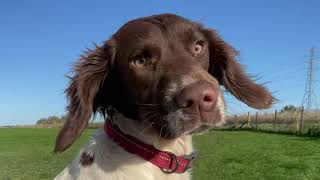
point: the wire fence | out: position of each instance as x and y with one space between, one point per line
296 121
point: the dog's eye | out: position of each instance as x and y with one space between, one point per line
140 61
198 47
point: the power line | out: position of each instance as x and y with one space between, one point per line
309 100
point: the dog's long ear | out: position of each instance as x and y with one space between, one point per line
89 75
231 75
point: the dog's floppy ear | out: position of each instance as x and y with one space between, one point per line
89 75
231 75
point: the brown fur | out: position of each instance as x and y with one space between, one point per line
230 74
106 76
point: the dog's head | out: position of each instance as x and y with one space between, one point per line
163 69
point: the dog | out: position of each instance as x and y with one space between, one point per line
158 80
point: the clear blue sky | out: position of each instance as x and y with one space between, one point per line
39 40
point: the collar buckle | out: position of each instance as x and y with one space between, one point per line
174 161
191 157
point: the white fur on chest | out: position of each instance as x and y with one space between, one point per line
113 162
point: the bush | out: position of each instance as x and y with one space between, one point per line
52 120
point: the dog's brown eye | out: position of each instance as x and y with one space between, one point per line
140 61
198 47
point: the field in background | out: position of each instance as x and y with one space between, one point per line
296 122
26 153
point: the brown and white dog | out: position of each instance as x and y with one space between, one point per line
162 76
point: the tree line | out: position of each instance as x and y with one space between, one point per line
52 120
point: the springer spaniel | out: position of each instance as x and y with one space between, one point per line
157 81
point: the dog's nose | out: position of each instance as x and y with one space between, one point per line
200 96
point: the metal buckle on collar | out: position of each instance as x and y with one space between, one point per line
191 157
174 160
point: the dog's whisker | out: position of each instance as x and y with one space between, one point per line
145 128
147 104
147 115
149 112
154 115
148 108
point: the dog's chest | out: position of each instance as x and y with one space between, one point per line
110 161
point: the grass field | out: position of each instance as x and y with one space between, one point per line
27 154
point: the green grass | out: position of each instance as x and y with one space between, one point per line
27 154
250 155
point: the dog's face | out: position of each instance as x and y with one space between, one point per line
161 69
160 74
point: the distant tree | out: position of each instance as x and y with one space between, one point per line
52 120
41 121
289 108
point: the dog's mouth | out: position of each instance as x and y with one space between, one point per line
171 125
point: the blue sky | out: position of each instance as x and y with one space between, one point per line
39 41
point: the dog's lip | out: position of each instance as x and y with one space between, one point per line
192 123
196 123
197 116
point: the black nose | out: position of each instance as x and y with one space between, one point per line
198 96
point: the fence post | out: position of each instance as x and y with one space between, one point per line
275 120
257 121
301 120
235 121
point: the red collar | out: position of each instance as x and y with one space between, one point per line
166 161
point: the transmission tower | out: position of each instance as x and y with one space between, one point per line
310 98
